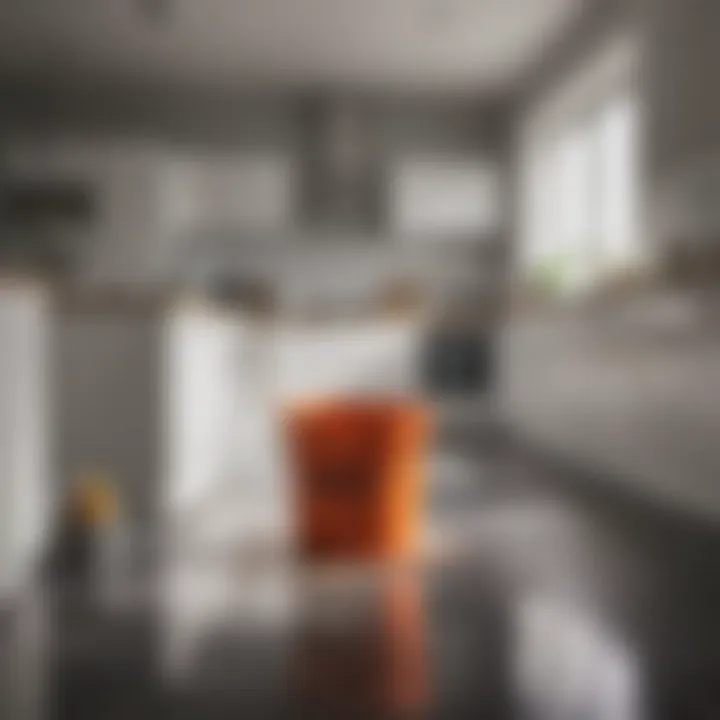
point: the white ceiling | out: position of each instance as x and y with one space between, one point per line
479 44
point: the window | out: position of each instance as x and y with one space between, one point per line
580 180
620 181
581 213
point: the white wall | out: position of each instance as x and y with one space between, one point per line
25 487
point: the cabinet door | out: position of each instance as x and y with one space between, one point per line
251 192
448 196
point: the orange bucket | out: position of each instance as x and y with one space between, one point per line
358 467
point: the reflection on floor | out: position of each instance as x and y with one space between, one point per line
542 603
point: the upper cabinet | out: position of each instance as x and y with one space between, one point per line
444 195
229 193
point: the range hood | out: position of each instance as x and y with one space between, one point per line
343 183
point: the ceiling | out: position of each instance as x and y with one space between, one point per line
478 44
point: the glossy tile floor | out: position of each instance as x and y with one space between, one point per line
539 600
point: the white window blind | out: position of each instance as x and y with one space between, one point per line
582 195
580 175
